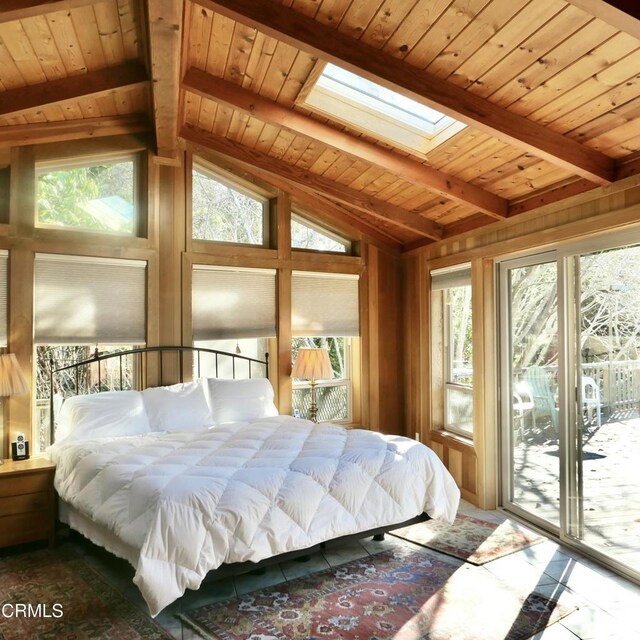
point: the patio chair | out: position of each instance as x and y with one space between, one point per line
544 402
591 399
522 405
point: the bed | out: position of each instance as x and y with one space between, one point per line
185 479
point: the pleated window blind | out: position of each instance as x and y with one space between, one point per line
450 277
82 300
233 303
4 258
324 304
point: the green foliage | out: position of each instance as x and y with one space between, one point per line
65 197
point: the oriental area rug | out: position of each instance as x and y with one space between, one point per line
400 594
63 598
470 539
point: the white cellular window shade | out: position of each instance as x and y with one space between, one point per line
458 276
82 300
233 303
324 304
4 258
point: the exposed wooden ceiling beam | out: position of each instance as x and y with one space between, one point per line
95 83
554 194
339 216
621 14
165 19
271 112
20 9
328 43
43 132
628 166
334 190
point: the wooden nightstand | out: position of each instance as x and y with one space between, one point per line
27 501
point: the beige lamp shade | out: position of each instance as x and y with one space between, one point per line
12 380
312 364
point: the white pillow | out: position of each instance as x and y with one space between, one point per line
102 415
241 400
180 407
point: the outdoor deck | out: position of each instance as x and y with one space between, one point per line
611 480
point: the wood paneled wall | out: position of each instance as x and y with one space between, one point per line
381 322
170 253
474 465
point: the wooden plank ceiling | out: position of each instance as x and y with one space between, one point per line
549 92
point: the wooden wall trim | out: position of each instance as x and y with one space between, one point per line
285 385
373 304
18 411
88 148
67 130
271 260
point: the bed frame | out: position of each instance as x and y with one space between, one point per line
151 367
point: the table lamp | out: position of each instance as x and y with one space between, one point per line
313 365
12 383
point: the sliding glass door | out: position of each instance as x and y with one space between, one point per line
607 451
531 458
570 396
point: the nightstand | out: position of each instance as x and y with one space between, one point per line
27 501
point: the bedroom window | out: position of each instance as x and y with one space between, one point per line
452 337
248 347
222 211
325 313
90 380
98 197
81 303
232 308
333 396
311 236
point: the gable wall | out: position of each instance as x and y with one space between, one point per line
170 253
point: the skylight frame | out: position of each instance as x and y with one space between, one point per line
361 112
378 98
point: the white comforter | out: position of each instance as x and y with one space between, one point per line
191 501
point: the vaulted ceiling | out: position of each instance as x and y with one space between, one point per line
549 92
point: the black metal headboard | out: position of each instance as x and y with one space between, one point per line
152 370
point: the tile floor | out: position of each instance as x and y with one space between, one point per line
608 606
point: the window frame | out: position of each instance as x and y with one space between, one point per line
442 280
42 405
140 215
235 184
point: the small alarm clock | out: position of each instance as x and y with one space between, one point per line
20 448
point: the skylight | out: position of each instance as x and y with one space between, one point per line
378 111
381 99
